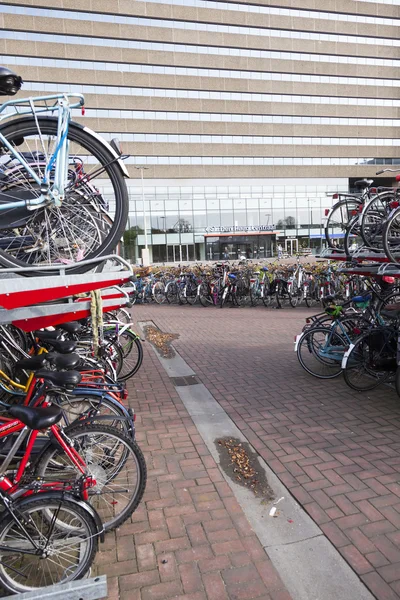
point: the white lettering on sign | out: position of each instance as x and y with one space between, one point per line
234 228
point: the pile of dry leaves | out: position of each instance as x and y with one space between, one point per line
161 341
242 468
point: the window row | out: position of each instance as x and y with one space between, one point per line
101 113
269 54
205 95
249 139
191 71
269 10
174 47
255 160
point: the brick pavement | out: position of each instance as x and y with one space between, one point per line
189 539
337 451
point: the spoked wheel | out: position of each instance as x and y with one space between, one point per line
337 220
294 297
373 218
132 352
242 293
391 236
320 352
76 406
191 292
204 293
171 292
371 361
255 294
159 292
353 240
112 459
82 226
64 527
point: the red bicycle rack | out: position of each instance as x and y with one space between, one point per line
36 302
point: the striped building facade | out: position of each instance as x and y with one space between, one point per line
246 116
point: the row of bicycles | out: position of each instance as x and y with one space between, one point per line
357 338
71 468
245 284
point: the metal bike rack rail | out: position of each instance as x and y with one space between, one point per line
83 589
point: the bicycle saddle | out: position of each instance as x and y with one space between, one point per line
72 327
364 183
36 418
63 347
32 364
63 379
10 83
47 336
66 362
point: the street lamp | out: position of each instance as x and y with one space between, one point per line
145 251
310 218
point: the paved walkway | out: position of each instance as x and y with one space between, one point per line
336 450
189 539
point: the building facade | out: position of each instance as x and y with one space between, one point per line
244 116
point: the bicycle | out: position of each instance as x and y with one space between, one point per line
52 212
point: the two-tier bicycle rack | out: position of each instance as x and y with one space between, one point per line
35 302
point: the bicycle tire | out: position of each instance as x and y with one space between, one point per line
76 406
20 129
388 249
204 294
321 367
343 208
41 568
54 462
130 364
366 378
159 292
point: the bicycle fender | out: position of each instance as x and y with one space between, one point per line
85 505
99 138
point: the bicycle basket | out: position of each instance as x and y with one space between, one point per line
10 83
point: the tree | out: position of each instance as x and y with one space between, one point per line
287 223
130 237
182 226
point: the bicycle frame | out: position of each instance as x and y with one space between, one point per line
11 426
55 194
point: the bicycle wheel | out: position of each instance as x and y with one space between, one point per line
320 352
113 459
171 292
67 529
371 361
338 219
294 295
87 404
80 228
353 240
391 236
267 294
373 218
191 292
132 352
204 293
159 292
255 294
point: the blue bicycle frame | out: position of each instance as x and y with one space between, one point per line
58 160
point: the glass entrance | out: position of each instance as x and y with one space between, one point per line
292 246
181 253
